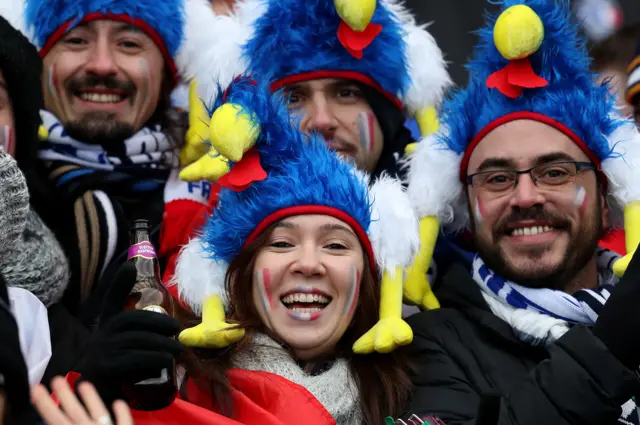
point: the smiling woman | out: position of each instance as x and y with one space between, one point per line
300 261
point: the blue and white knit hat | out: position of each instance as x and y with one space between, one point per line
288 41
529 64
289 173
48 20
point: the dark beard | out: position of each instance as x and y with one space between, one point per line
99 128
581 249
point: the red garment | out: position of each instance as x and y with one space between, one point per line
187 207
258 398
614 240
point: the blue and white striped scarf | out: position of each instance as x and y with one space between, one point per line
541 316
581 307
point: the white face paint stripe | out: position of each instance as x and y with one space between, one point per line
580 196
353 291
6 139
364 131
266 305
478 211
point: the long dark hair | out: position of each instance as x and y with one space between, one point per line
382 379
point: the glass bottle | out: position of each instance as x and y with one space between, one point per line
149 294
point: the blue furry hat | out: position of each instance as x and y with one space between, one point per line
300 172
163 20
561 88
531 64
293 40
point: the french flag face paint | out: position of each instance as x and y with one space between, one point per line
149 77
479 210
6 140
51 82
354 290
580 200
263 280
366 130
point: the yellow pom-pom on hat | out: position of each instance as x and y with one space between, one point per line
356 13
518 32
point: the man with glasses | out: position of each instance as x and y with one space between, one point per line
535 163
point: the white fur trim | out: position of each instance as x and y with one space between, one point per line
13 12
434 186
427 67
393 231
212 50
623 169
198 277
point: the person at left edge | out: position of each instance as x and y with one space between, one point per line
110 144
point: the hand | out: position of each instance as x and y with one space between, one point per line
128 346
619 319
14 377
71 411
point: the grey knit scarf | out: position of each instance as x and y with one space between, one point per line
334 388
30 256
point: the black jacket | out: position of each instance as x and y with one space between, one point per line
472 369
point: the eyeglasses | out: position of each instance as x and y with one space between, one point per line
553 176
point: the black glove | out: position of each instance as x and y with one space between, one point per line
128 346
13 369
618 323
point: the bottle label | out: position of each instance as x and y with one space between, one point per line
143 249
156 309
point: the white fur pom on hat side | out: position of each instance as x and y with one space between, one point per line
623 169
434 186
212 50
198 276
427 67
393 231
13 12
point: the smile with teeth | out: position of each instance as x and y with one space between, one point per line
305 306
101 97
530 231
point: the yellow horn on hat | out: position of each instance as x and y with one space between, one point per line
356 13
417 289
427 119
198 133
631 236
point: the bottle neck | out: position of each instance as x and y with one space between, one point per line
138 236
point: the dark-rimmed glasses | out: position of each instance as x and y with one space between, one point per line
550 176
